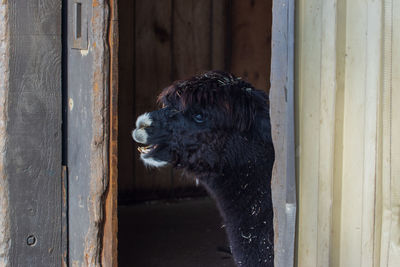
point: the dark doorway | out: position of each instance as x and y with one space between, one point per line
164 218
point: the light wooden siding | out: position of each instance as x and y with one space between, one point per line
347 150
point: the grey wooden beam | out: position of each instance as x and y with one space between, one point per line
32 163
282 122
4 87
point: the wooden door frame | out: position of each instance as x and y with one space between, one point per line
98 246
109 255
105 83
283 129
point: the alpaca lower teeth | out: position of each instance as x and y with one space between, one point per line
145 149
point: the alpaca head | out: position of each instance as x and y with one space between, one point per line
204 123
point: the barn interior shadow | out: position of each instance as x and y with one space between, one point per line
164 218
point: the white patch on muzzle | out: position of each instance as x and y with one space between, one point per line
139 134
152 162
143 121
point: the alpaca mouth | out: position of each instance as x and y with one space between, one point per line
146 149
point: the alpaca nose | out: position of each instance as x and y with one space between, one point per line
139 134
143 121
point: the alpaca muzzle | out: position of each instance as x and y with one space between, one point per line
139 134
143 123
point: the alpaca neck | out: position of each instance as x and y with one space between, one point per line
243 196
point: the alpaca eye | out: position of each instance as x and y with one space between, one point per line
198 118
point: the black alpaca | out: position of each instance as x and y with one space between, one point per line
217 128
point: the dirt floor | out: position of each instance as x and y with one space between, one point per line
186 233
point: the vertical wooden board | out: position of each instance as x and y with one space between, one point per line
373 81
353 130
126 97
110 229
41 15
384 213
394 250
251 41
4 88
308 108
79 133
282 124
87 133
33 148
327 130
334 256
192 41
153 61
219 10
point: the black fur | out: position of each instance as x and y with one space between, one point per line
217 128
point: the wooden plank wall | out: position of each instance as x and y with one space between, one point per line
251 41
165 40
347 116
33 145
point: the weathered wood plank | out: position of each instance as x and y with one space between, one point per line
33 149
35 17
219 9
282 124
191 37
110 229
87 156
4 87
251 41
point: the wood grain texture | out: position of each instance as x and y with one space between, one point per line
33 152
192 40
87 84
78 133
100 132
282 125
219 12
251 41
4 88
109 255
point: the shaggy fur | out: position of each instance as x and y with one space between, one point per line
217 128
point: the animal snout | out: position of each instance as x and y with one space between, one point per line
143 121
139 134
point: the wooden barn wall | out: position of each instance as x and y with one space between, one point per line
347 133
251 41
31 134
165 40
